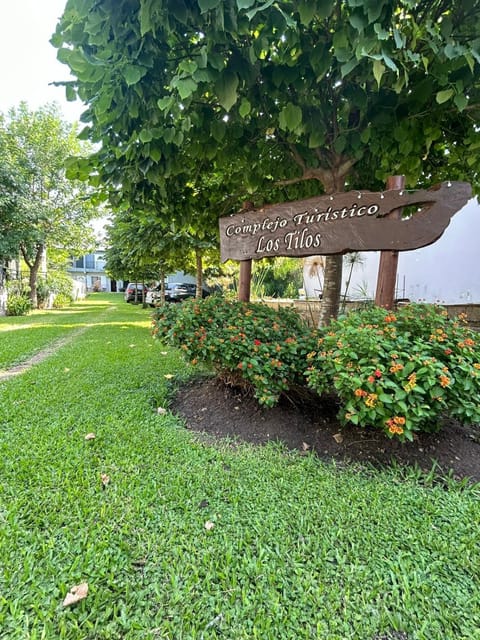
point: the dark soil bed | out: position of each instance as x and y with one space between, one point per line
208 406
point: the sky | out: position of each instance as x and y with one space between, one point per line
28 62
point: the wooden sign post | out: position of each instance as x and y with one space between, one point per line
387 268
340 223
343 222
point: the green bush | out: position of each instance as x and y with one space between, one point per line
61 300
18 304
245 343
399 371
58 283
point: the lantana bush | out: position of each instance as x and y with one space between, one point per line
247 343
400 371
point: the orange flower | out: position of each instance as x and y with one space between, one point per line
395 368
371 379
444 381
360 393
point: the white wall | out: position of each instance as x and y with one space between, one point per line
447 271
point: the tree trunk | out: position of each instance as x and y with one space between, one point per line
332 286
34 268
332 282
161 276
199 274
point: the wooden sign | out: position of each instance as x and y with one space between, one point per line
343 222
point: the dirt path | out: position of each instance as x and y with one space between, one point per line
40 356
43 354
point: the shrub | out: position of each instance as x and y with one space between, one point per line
399 371
246 343
18 304
60 284
61 300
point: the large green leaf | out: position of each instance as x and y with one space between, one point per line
244 4
306 9
444 96
206 5
290 117
245 107
133 74
185 87
378 71
226 89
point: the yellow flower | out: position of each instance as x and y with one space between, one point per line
371 400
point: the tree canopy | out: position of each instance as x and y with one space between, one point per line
45 209
338 94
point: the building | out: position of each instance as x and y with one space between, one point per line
88 274
445 272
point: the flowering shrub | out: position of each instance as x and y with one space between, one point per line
399 371
246 343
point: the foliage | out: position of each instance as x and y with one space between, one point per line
48 210
400 371
268 94
11 192
18 304
243 342
360 554
58 283
277 278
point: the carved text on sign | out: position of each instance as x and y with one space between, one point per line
353 221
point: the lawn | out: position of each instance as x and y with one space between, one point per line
182 539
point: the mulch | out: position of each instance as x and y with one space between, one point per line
308 424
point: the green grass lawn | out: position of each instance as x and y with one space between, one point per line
298 549
21 337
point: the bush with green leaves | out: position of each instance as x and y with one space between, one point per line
18 304
245 343
60 284
399 371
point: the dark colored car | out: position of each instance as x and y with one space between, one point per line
134 292
175 292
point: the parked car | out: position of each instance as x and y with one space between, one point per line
174 292
133 287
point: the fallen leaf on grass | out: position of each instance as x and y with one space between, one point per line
90 436
305 446
164 353
338 437
209 525
66 370
168 376
105 479
77 592
161 411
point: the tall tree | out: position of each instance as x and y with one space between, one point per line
340 93
49 209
